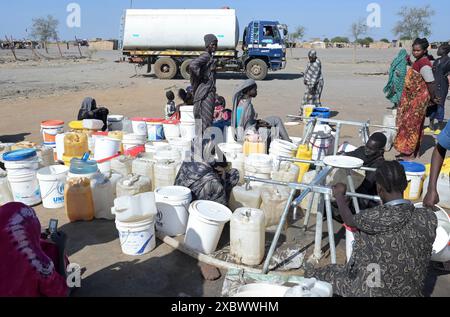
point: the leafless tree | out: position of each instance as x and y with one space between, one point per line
358 29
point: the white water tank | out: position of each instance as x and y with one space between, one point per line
179 29
247 236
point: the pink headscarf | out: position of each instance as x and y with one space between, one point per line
25 269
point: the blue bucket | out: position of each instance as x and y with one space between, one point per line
323 113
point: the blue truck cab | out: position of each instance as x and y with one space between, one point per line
264 48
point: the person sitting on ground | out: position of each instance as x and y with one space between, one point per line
30 266
208 179
393 241
170 107
244 117
89 110
373 156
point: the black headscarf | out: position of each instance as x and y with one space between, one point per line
209 39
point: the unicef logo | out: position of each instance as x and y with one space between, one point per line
60 188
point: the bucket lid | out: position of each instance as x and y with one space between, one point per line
413 167
174 192
133 137
80 167
50 172
155 120
19 155
52 123
115 118
143 119
175 122
210 210
77 125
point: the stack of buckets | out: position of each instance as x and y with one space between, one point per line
22 167
50 129
187 124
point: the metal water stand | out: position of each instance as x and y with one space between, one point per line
315 187
364 128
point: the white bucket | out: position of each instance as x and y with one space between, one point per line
172 203
51 181
415 173
230 150
182 145
25 187
106 147
50 129
155 130
187 130
139 126
441 246
187 114
137 238
205 225
132 140
171 129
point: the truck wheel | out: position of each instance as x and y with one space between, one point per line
165 68
184 69
257 69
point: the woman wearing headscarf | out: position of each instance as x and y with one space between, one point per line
244 117
313 80
89 110
203 81
393 243
418 94
397 74
29 266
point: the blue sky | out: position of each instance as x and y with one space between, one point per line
322 18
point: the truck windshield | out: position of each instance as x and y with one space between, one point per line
271 34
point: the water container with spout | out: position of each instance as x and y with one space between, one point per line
122 165
135 208
78 199
103 194
247 236
143 167
288 172
167 165
304 153
75 145
274 200
254 145
133 185
245 197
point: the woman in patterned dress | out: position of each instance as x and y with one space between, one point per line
419 92
393 243
313 80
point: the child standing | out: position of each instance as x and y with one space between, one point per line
170 108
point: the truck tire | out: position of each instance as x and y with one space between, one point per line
184 69
165 68
257 69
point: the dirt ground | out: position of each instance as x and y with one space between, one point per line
33 91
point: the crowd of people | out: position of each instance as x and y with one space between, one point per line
394 235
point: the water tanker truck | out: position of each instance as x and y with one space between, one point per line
168 40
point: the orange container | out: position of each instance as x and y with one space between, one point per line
78 199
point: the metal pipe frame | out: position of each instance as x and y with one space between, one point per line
318 163
343 122
315 188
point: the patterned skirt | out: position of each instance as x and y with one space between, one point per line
411 114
